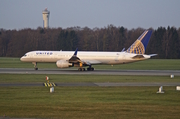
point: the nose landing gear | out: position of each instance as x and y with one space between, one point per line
35 65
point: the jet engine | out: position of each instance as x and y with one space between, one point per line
63 64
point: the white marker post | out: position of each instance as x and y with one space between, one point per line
160 89
178 88
51 89
172 76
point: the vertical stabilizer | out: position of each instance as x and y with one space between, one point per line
139 46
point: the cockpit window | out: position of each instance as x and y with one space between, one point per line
25 55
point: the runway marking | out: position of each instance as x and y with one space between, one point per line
45 84
90 84
49 84
96 72
54 84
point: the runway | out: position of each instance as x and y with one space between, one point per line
96 72
105 84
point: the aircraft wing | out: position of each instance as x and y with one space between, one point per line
89 62
76 60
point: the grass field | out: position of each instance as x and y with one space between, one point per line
90 102
40 78
151 64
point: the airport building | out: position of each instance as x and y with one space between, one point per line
46 14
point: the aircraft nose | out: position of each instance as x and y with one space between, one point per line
21 58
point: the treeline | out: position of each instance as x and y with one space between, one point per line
14 43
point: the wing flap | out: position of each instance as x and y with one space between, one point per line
90 62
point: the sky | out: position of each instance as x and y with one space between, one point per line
20 14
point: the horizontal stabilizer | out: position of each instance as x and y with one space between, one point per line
151 55
138 57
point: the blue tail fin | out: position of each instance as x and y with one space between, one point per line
139 46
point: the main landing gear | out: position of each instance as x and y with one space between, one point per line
35 65
81 69
88 69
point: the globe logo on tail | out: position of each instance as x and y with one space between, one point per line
139 46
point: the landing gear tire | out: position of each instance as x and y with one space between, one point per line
35 68
81 69
90 69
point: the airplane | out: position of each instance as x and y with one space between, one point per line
81 59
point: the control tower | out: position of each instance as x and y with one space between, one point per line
46 14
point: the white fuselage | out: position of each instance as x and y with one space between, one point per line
65 59
90 57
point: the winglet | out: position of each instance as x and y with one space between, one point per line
75 53
139 46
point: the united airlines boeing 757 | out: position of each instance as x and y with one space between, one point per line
65 59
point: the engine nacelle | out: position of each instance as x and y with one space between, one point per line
63 64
